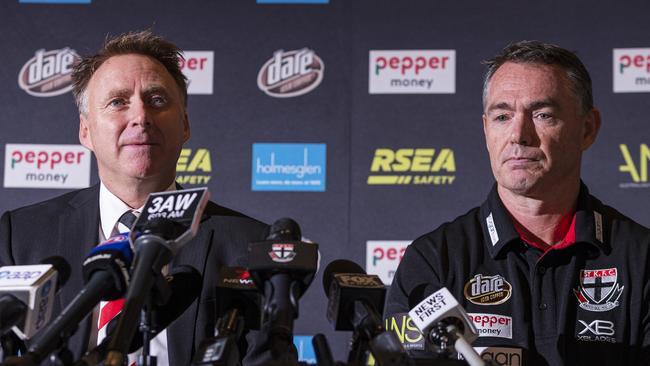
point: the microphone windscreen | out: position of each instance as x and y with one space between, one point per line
285 229
62 268
339 266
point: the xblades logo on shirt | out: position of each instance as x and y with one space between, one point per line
487 290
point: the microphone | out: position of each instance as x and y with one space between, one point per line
168 221
441 319
105 271
238 309
27 295
185 283
355 302
282 267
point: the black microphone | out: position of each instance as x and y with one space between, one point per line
283 267
106 274
356 302
168 221
27 295
185 283
238 309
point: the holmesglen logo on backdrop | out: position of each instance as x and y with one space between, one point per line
198 67
289 167
291 73
412 72
631 70
48 73
46 166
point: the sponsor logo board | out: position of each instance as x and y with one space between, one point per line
383 257
192 166
636 169
631 70
289 167
291 73
198 67
598 290
46 166
416 166
412 72
407 333
48 73
487 290
492 325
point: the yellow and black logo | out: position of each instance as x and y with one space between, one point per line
412 166
194 165
637 171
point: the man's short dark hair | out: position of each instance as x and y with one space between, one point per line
142 43
536 52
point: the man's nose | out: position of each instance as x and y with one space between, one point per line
139 113
522 131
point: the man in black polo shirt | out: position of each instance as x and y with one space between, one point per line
548 274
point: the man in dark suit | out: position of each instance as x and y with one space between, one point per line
132 101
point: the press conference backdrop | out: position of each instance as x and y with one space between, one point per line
361 119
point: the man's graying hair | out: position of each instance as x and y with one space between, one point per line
142 43
536 52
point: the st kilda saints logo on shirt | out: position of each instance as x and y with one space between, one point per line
488 290
282 253
599 289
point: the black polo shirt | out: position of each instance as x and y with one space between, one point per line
587 303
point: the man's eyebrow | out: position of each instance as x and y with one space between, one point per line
502 105
118 93
538 104
155 89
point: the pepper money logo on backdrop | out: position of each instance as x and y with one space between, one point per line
412 72
631 70
46 166
420 166
198 67
48 73
288 167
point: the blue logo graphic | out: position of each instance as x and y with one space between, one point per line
293 1
54 1
289 167
304 348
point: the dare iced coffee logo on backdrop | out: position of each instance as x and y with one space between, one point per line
291 73
48 73
198 67
383 257
631 70
412 72
46 166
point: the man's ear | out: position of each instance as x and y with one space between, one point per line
590 128
84 133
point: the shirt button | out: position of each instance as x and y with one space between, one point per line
542 306
541 269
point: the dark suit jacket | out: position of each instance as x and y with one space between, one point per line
68 226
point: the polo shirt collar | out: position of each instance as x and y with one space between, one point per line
499 232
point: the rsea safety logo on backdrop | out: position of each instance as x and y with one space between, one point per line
46 166
198 67
636 169
291 73
383 257
289 167
194 167
420 166
48 73
631 70
412 72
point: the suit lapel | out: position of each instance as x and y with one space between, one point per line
181 348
